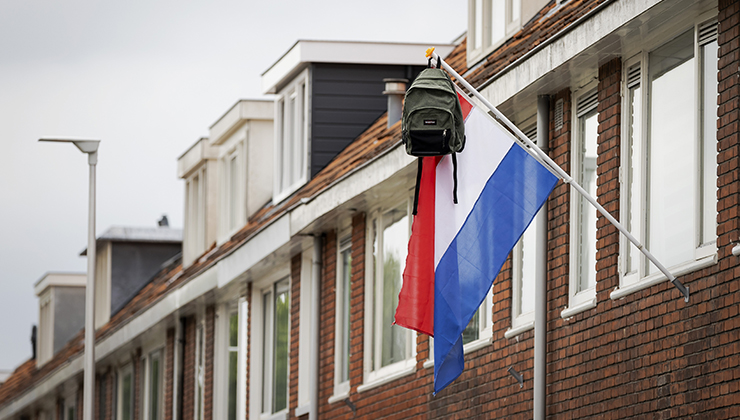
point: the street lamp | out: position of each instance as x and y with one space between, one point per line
91 148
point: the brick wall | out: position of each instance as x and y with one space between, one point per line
210 325
295 308
169 379
188 369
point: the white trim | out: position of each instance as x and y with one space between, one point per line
334 399
241 369
344 243
514 331
125 370
406 370
304 330
349 52
302 409
372 372
571 310
287 122
657 278
577 298
705 254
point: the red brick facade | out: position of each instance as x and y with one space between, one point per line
295 309
648 354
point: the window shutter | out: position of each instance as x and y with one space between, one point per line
633 77
558 114
587 104
707 32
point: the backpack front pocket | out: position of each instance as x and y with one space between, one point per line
430 142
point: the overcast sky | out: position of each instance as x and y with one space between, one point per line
147 78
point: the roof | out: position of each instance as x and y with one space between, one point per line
140 234
375 141
346 52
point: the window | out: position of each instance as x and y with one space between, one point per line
525 256
69 407
45 343
233 358
153 403
389 348
275 342
490 22
670 159
342 334
291 157
200 371
125 393
582 288
195 232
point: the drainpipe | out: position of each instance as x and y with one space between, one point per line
315 303
395 89
540 282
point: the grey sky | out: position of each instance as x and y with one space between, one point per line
148 79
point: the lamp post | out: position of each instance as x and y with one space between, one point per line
91 148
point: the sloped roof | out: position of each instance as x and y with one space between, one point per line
373 142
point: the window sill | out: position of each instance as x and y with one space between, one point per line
578 308
472 346
335 399
283 415
514 331
387 379
659 277
304 409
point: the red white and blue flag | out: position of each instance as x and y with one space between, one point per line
456 250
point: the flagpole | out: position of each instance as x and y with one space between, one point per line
557 170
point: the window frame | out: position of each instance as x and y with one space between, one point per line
512 24
521 322
257 338
146 406
122 372
195 211
289 124
373 317
580 300
344 244
705 254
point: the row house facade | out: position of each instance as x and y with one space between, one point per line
297 218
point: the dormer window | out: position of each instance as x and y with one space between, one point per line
61 311
291 163
490 23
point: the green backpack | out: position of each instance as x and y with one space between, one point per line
432 123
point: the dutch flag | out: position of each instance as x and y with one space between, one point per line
456 250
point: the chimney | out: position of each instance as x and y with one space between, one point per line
395 89
33 342
163 222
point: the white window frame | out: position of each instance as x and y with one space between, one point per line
305 335
195 210
146 408
122 372
257 368
483 27
71 403
45 343
705 254
222 350
373 310
295 124
485 330
521 322
585 104
344 244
